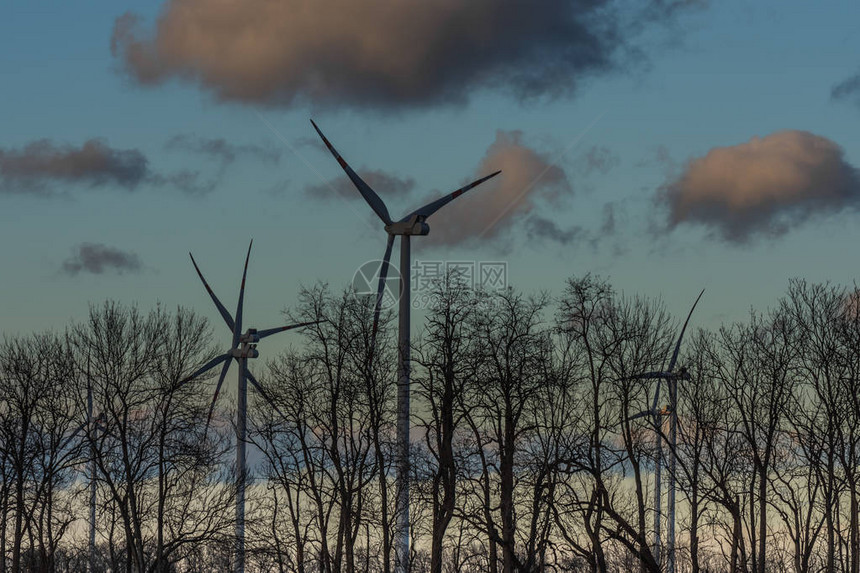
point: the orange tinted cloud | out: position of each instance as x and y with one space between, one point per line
486 211
762 187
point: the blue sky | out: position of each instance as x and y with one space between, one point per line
717 75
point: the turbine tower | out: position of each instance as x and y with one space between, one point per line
656 419
415 223
243 347
671 377
91 425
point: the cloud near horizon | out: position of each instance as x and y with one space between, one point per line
97 259
384 54
41 166
763 187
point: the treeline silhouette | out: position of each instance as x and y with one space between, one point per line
525 456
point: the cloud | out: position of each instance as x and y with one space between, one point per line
189 182
98 259
95 163
384 54
762 187
541 228
42 166
527 177
386 184
597 158
221 150
848 89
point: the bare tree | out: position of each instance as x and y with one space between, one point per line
611 339
338 431
37 378
440 380
510 347
159 471
755 367
849 336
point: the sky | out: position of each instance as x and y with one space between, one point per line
669 146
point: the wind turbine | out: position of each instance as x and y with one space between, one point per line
671 376
415 223
93 425
243 347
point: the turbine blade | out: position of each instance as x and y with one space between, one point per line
375 202
639 415
217 390
681 336
434 206
226 315
263 393
72 436
656 395
203 369
237 330
649 375
380 292
270 331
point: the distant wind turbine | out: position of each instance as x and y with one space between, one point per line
243 347
671 377
415 223
93 424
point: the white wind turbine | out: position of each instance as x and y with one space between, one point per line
415 223
243 347
671 376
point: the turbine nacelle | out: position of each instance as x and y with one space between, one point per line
414 225
250 336
245 351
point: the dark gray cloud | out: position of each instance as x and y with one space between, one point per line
44 168
848 89
223 151
541 228
386 184
33 168
599 159
763 187
386 54
187 181
98 259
